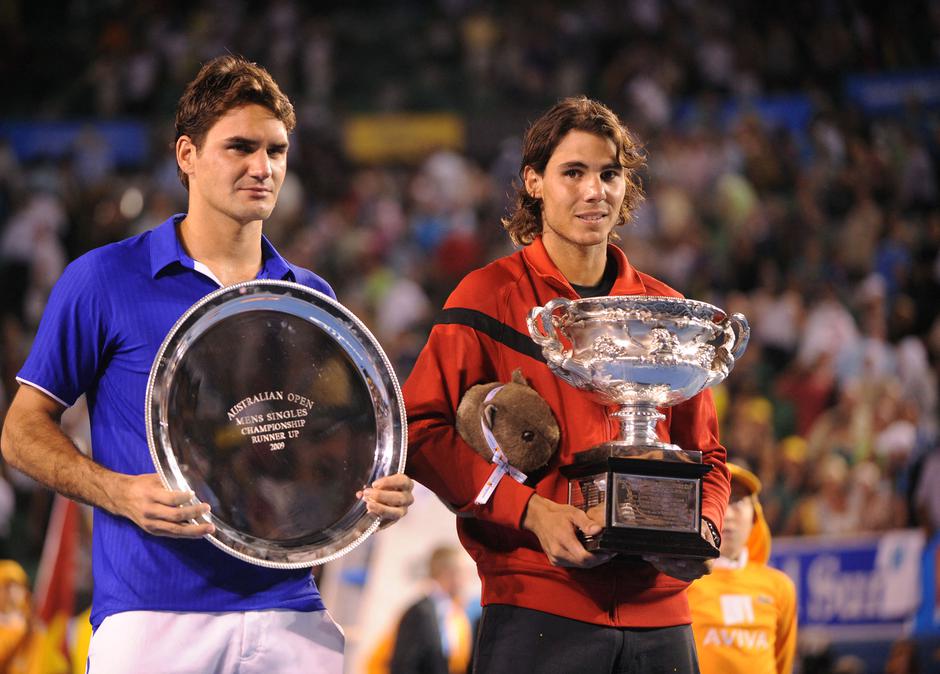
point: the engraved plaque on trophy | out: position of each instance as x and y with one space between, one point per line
275 405
640 353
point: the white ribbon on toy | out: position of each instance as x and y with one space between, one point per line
499 458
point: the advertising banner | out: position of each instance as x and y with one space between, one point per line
928 617
891 92
862 587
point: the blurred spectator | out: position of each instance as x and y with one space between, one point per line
849 664
809 389
790 484
926 494
829 328
903 658
434 635
827 510
7 506
31 244
844 428
24 646
872 497
744 612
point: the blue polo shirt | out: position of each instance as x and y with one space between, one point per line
105 321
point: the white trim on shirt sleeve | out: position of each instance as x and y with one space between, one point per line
40 388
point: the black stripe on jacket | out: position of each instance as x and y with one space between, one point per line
502 333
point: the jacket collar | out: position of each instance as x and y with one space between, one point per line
628 280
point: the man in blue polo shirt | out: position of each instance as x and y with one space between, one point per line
165 600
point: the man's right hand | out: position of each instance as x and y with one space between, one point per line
145 501
556 526
32 441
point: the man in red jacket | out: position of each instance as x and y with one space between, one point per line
549 604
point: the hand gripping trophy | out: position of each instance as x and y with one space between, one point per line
640 353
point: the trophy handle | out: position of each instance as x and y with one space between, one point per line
742 334
737 333
542 331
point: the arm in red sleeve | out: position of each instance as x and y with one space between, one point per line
694 426
454 359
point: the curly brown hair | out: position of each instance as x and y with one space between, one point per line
224 83
543 136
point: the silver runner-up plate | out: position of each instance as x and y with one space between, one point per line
274 404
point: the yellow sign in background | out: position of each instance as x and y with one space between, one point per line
401 137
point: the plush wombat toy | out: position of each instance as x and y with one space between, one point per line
521 422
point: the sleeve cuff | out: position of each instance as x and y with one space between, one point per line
713 514
26 382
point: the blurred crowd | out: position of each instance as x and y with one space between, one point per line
826 235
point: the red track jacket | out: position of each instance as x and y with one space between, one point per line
482 337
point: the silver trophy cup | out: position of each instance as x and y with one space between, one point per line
641 354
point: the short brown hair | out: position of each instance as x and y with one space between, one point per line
224 83
442 557
543 136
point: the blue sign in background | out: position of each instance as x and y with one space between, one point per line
125 141
928 615
855 588
889 93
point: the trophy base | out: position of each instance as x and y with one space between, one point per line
638 542
647 506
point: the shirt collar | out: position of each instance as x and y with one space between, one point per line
166 249
628 281
273 266
739 563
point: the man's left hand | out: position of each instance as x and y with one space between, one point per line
682 568
389 497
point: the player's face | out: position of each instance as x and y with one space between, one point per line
739 520
582 190
239 169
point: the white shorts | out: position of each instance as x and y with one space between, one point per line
253 642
